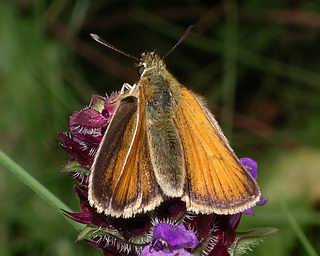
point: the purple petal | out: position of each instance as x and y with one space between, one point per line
249 211
263 200
251 166
149 251
77 150
176 236
88 125
91 136
89 118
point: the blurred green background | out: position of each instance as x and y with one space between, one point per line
256 62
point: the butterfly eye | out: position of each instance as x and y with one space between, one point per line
141 69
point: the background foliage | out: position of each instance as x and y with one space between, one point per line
256 62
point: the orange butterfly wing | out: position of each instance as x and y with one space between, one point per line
216 181
122 182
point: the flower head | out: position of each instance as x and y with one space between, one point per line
167 230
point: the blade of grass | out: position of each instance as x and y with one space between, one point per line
298 231
78 16
36 186
230 69
245 57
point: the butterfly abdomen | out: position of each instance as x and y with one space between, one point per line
164 143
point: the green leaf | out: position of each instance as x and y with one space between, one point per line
90 231
74 166
245 241
87 233
97 104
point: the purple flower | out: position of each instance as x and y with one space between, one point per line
252 167
169 239
212 234
86 129
88 125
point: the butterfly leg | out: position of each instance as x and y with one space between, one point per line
126 87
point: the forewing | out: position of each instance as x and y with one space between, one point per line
216 181
122 182
137 189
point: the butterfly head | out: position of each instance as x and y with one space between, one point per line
150 62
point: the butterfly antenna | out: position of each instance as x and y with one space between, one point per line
110 46
182 38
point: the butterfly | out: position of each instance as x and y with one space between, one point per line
163 142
